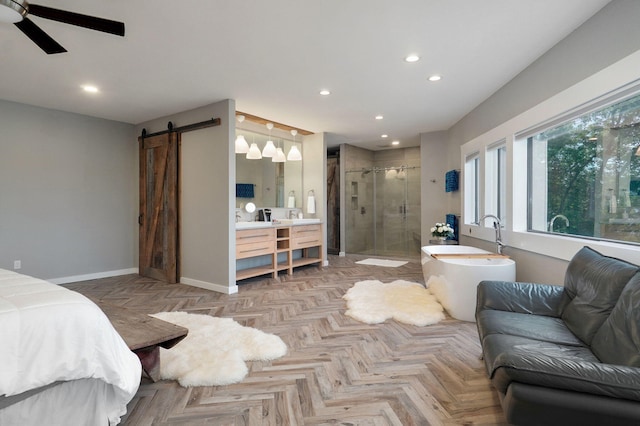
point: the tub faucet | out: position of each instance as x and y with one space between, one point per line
497 225
553 219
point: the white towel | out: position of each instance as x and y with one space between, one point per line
291 203
311 204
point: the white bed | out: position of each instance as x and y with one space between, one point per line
61 360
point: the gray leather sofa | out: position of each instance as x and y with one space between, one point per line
565 355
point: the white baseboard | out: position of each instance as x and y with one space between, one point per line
209 286
94 276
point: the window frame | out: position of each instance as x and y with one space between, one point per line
598 104
496 180
471 198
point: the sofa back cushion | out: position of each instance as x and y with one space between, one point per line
593 284
618 340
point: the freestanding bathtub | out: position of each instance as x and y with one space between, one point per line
453 279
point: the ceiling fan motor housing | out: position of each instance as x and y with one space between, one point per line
16 11
12 11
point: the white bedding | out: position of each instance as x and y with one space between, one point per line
48 334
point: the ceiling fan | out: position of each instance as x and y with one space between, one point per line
16 11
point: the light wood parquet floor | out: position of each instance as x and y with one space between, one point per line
338 371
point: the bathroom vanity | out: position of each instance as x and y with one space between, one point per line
277 247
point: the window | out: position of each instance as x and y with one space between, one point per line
496 181
584 175
472 189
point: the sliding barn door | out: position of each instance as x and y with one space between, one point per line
159 207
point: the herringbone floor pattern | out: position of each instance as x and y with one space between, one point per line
337 372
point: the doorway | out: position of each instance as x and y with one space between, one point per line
333 201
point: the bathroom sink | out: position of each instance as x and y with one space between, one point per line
248 225
298 221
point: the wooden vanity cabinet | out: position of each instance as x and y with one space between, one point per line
253 243
289 247
307 238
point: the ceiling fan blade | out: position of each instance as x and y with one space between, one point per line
77 19
39 37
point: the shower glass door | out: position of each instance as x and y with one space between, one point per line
383 211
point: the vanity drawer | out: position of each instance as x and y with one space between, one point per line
256 248
306 236
305 230
247 236
255 242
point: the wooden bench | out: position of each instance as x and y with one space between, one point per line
144 335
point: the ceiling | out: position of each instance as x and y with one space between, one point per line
273 57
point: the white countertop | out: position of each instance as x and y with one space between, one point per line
279 222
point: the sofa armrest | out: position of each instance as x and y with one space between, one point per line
570 374
525 298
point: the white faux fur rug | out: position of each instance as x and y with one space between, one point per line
373 302
215 350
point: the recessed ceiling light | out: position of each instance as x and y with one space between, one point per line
435 78
384 136
412 58
379 117
395 143
90 89
325 92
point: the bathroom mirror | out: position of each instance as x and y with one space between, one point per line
271 182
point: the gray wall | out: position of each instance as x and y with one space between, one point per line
434 207
68 191
607 37
207 223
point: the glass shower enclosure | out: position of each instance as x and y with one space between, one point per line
383 211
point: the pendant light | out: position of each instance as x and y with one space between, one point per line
242 147
269 149
294 153
279 157
254 152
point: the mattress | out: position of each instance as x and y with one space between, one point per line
52 334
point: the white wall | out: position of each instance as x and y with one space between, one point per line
207 224
314 177
68 191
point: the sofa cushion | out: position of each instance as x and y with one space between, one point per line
593 283
536 327
497 348
618 340
522 297
514 359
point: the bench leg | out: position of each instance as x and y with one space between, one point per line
150 360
